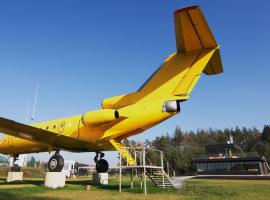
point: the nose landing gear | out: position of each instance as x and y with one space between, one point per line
15 167
56 163
102 165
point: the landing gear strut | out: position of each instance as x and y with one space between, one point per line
15 167
102 165
56 163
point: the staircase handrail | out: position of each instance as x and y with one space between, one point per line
169 167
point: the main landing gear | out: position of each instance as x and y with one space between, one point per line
15 167
56 163
102 165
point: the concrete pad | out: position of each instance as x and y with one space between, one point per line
100 178
55 180
15 176
179 181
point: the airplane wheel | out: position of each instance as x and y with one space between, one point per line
15 168
102 166
56 163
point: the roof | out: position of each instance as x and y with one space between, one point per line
205 160
221 148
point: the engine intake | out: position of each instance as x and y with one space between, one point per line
171 106
99 117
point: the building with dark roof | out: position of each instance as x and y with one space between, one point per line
229 159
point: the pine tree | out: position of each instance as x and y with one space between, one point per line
266 134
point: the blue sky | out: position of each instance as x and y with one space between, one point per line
83 51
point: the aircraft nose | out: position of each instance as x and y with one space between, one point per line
2 146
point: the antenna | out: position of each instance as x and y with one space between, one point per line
231 139
35 102
27 112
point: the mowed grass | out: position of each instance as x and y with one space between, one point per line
33 189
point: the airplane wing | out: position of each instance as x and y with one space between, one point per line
193 34
31 133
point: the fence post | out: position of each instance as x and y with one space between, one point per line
131 179
120 172
162 165
168 169
144 172
135 156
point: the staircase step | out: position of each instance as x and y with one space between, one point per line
160 182
165 185
159 178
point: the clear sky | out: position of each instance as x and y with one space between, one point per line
83 51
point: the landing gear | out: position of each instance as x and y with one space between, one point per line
15 167
102 165
56 163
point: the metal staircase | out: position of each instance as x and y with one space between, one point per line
148 162
267 167
159 177
124 152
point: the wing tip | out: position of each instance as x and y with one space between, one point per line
185 9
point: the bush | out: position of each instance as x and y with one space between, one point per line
28 172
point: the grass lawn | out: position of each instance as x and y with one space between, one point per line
32 189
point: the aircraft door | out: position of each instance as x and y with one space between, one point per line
61 127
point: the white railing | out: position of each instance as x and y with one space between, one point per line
152 157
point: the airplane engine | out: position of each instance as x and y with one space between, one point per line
171 106
99 117
109 103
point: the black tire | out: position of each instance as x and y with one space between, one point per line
56 163
15 168
102 166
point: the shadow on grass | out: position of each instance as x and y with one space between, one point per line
113 186
30 193
79 182
7 195
24 182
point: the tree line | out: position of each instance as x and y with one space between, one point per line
181 146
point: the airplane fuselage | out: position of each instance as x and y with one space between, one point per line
133 119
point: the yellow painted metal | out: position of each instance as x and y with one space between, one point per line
99 117
109 102
192 31
197 52
124 152
186 85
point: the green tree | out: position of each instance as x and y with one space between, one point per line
266 134
177 138
31 162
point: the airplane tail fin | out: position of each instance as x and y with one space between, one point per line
197 53
193 33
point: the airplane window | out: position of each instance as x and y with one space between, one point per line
54 126
47 128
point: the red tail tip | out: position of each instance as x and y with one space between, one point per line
185 9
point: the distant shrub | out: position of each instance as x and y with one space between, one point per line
28 172
33 172
4 171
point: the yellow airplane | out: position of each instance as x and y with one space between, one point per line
123 116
